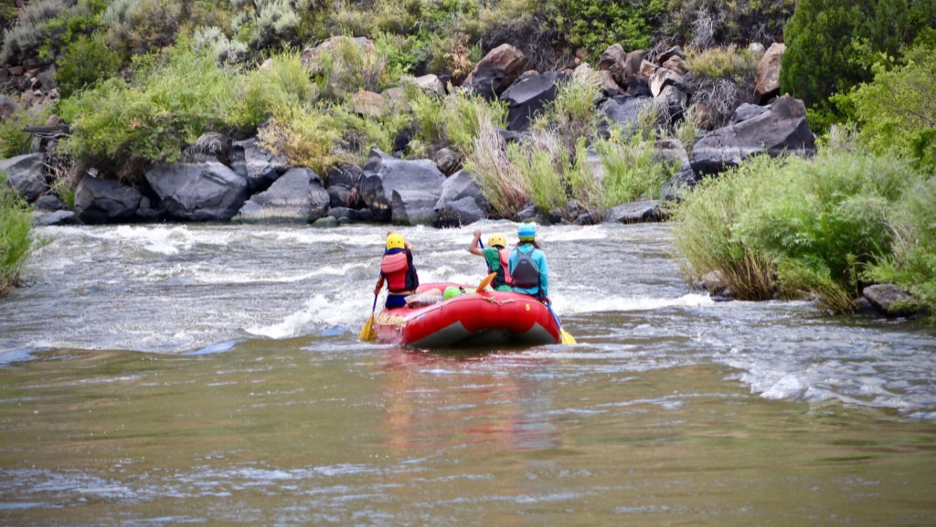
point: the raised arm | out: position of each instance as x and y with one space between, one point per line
473 247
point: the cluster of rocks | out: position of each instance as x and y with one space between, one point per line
886 300
242 181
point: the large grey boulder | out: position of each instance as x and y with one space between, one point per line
297 196
26 175
257 164
207 191
529 96
41 218
637 212
100 201
625 110
782 130
461 202
496 71
889 300
402 191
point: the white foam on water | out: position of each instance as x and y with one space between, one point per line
319 312
576 304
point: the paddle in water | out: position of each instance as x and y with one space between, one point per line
367 332
566 338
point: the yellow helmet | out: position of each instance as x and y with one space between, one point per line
497 239
395 241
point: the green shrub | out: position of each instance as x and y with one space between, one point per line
141 26
631 172
595 25
15 235
224 49
306 138
86 61
13 140
345 66
792 224
731 62
704 230
825 37
173 99
895 111
912 262
31 29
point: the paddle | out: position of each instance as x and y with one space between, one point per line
566 338
486 282
367 332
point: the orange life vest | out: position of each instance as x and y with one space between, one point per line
394 268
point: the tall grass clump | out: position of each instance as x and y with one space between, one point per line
912 261
15 235
705 231
174 98
801 225
500 179
454 120
631 171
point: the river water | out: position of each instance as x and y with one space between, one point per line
212 374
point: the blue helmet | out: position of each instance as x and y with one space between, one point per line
527 231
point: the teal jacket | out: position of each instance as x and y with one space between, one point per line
539 258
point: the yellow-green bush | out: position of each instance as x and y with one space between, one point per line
15 235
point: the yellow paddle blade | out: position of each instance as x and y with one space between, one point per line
566 338
368 333
486 282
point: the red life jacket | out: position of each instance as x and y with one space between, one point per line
505 265
394 267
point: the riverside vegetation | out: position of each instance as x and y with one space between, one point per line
141 81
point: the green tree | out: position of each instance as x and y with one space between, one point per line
829 43
897 110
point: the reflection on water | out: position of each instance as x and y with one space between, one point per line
285 433
162 375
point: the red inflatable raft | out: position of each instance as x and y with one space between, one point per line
471 319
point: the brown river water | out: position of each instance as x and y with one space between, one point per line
211 375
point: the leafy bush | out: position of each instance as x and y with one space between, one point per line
15 235
13 140
345 66
86 61
173 99
595 25
792 224
141 26
895 111
912 262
